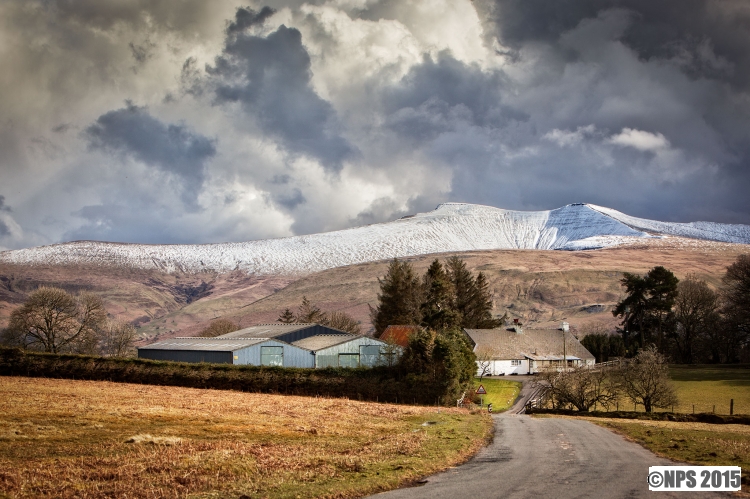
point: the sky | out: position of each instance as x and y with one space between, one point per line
164 121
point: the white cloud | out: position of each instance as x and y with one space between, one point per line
641 140
568 138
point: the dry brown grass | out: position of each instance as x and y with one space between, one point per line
61 438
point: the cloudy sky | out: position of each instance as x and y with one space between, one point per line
165 121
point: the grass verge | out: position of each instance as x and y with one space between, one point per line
694 443
500 393
63 438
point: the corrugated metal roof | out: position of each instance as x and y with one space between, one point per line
321 341
537 344
399 334
266 330
204 344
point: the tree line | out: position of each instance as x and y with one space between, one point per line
686 320
55 321
446 297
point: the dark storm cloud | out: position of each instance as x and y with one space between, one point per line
665 69
174 149
436 96
290 199
146 222
248 17
270 77
4 229
143 52
710 37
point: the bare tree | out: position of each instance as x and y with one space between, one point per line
117 339
219 327
53 320
344 322
645 380
581 387
485 355
736 310
696 311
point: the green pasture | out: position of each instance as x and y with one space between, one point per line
706 386
500 393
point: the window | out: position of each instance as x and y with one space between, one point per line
271 356
515 362
348 360
369 355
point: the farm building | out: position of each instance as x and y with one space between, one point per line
287 345
518 351
253 351
287 333
339 351
399 335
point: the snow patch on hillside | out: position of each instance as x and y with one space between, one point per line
451 227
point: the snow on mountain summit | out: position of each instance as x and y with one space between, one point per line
451 227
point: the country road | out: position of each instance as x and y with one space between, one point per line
550 457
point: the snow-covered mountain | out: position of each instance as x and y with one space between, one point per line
451 227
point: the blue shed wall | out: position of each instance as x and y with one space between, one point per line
293 356
329 357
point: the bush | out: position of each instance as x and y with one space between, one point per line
383 384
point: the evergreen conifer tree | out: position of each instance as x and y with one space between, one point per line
309 313
438 308
287 317
399 298
480 312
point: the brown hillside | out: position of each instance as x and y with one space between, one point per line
540 287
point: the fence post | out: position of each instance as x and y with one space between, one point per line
731 407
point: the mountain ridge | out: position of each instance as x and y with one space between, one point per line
451 227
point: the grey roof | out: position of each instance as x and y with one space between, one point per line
205 344
266 330
536 344
322 341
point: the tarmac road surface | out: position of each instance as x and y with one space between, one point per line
548 458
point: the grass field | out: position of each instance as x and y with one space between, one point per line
62 438
711 385
500 393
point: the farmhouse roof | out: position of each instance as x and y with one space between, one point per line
399 334
536 344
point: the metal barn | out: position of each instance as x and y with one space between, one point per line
239 351
288 333
346 351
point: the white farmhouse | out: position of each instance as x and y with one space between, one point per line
517 351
